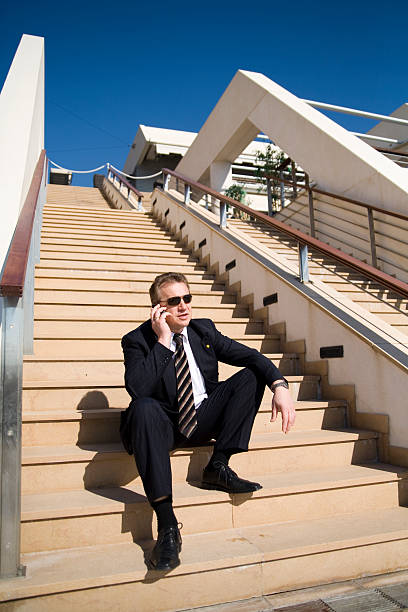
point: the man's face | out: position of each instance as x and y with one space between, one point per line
180 315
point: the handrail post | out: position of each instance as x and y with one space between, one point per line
269 192
282 190
311 208
166 181
294 179
223 214
187 194
372 238
303 263
10 440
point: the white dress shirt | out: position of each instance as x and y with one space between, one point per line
197 379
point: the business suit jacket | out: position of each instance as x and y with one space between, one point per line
149 366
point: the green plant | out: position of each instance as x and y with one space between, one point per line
236 192
268 164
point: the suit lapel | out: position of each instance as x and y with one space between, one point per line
196 343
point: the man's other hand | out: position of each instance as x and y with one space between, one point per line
160 326
282 402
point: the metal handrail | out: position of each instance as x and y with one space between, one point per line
13 277
17 304
304 240
345 199
130 188
356 112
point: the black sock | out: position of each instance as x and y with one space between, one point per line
164 512
221 456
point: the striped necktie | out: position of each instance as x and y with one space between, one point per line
187 419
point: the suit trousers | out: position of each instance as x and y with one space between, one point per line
227 416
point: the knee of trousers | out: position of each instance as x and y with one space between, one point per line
249 377
145 410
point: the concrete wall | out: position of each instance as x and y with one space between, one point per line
21 132
337 160
21 138
380 383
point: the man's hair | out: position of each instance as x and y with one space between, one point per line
163 279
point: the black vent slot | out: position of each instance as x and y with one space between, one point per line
330 352
202 243
230 265
270 299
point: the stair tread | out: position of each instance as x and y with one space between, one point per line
66 382
64 453
77 415
119 358
93 566
39 506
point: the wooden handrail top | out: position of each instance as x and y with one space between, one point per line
125 182
339 197
13 278
369 271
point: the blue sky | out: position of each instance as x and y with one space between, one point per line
111 67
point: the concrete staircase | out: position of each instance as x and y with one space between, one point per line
328 510
388 306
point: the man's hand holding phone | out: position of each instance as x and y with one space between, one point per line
158 316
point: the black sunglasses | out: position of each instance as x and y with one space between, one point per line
175 301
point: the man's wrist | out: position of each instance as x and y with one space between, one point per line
165 340
281 382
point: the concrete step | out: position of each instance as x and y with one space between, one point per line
116 329
142 263
109 214
80 394
106 516
114 284
99 312
127 248
106 240
101 425
76 258
241 563
93 298
62 468
112 370
302 387
111 348
102 233
148 272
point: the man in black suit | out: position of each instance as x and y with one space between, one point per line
171 373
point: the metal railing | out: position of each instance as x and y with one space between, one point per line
303 240
126 189
393 142
17 290
361 205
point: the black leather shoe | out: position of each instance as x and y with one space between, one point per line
165 554
220 476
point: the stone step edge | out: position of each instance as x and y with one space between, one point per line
233 556
227 307
190 494
33 416
75 384
110 359
38 455
215 293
